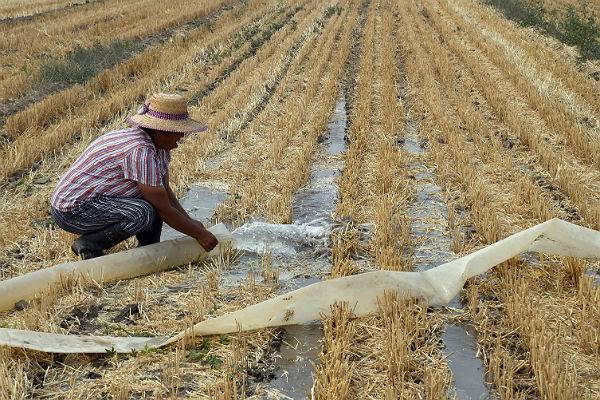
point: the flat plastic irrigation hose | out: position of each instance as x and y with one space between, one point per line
436 286
109 268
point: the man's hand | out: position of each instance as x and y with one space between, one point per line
207 240
159 198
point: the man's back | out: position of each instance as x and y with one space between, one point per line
110 166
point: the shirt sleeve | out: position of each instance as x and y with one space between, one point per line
142 165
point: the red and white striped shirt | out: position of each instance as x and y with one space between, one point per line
110 166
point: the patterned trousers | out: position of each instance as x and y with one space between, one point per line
125 216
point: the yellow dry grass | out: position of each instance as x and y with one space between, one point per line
510 129
29 43
26 8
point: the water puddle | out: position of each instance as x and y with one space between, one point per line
429 230
284 240
429 213
336 128
317 201
594 273
300 348
461 350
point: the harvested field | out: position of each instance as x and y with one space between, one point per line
345 137
14 9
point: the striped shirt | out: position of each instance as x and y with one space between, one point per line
111 166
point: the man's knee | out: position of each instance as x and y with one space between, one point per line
141 216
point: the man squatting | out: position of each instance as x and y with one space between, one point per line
119 186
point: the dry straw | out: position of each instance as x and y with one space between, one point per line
58 33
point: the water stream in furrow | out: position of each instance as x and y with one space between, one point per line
429 230
313 205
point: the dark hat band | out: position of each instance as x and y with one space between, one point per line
162 115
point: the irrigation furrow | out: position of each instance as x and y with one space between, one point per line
432 238
430 245
313 204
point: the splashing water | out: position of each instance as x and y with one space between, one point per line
282 239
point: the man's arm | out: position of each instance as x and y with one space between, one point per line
172 198
158 196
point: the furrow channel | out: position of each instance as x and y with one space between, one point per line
430 232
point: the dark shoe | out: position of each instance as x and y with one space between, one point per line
92 245
78 247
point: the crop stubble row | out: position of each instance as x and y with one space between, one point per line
389 348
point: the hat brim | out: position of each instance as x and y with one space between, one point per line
185 126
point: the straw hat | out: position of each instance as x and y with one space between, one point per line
166 112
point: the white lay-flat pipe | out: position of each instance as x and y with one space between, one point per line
436 286
112 267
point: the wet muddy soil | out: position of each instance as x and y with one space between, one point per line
296 359
430 232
